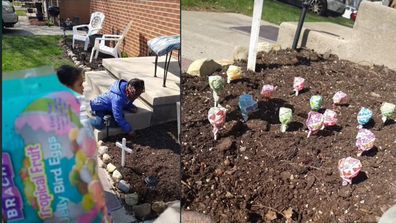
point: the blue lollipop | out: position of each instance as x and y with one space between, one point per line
247 105
364 116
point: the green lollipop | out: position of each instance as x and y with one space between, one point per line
285 117
216 83
387 111
316 102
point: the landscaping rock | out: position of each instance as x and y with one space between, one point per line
124 186
100 163
203 67
100 142
225 144
240 53
106 158
87 69
77 63
110 168
132 199
102 150
267 47
225 62
158 207
116 176
142 211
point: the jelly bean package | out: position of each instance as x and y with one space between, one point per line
48 160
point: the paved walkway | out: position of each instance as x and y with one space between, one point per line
23 28
214 35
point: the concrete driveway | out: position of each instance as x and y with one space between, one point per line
214 35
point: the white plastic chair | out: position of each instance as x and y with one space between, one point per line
115 51
94 27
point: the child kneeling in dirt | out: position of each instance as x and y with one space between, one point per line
118 98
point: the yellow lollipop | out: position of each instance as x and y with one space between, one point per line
87 202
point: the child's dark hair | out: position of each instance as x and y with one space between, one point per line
68 75
136 83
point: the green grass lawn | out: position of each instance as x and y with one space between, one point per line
21 12
273 11
25 52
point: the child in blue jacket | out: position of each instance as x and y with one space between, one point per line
118 98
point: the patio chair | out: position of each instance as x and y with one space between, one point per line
164 45
101 47
94 27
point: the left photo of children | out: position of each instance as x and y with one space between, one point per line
90 110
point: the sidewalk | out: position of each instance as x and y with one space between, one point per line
214 35
23 28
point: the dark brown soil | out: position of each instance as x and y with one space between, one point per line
84 56
263 170
155 153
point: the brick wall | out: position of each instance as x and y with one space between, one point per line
151 18
75 8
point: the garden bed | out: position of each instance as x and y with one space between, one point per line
155 153
253 172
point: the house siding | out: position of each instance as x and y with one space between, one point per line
150 19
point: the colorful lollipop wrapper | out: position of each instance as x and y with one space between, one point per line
285 117
364 140
329 118
314 122
349 168
216 83
298 84
267 91
216 117
316 102
247 105
233 73
364 116
340 98
387 111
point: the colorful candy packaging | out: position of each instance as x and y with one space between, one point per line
247 105
316 102
340 98
329 118
267 91
364 140
314 122
349 168
216 117
364 116
387 111
48 160
233 73
285 117
216 83
298 84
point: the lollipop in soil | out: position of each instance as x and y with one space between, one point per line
247 105
364 140
267 91
316 102
339 98
216 83
216 117
285 117
364 116
298 84
387 111
349 168
315 122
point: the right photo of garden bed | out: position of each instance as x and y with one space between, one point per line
254 172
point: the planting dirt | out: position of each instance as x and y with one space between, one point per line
156 154
256 173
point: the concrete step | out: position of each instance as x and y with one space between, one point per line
98 82
143 68
162 99
139 120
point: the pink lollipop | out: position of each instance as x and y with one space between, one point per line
314 122
364 140
340 98
267 91
329 118
298 84
349 168
216 116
